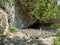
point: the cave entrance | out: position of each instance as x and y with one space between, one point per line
36 25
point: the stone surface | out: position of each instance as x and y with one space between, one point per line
33 33
18 41
22 20
22 39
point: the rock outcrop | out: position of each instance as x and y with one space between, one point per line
18 41
23 19
22 39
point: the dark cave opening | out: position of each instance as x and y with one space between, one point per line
36 25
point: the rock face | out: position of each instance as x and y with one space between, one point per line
15 16
37 33
47 41
22 39
3 24
17 41
3 21
22 20
9 9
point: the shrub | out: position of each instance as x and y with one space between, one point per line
58 33
55 26
46 10
57 41
12 28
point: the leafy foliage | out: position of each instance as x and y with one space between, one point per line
46 10
13 28
58 33
55 26
42 10
57 41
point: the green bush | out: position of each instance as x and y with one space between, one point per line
55 26
43 10
12 28
46 10
57 41
58 33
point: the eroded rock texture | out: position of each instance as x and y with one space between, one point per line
3 21
23 18
22 39
17 15
3 25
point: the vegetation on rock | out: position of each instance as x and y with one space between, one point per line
46 11
12 28
57 40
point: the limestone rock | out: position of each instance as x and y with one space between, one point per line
22 39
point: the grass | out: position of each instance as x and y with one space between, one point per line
57 41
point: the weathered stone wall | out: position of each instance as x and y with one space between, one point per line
9 9
22 39
22 20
